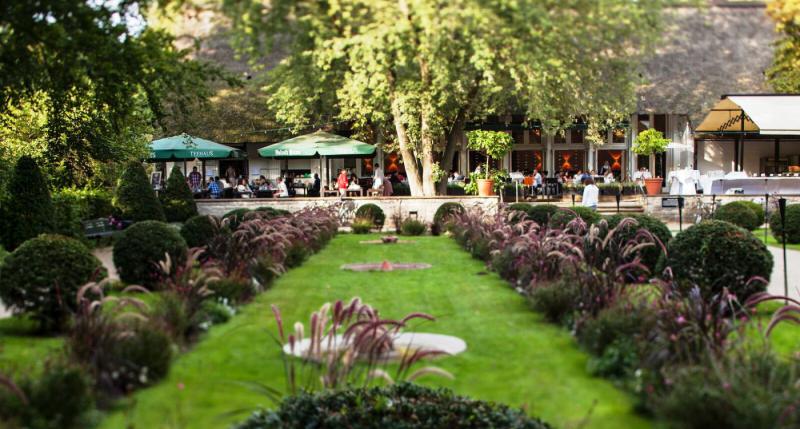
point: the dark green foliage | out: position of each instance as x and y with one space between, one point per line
562 217
177 199
232 289
139 359
738 214
612 338
68 212
757 208
215 312
555 300
443 215
362 226
413 227
716 255
56 400
653 225
236 216
372 212
271 211
296 254
140 247
3 254
541 213
745 389
398 406
135 199
42 277
199 230
619 359
792 224
28 210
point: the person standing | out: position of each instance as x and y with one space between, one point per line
591 194
283 190
230 173
195 180
341 183
537 181
377 177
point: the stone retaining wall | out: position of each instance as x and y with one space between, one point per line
653 206
425 207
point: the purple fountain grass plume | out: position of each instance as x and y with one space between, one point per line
279 320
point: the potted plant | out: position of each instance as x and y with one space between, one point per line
648 143
495 144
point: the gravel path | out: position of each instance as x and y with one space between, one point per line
105 255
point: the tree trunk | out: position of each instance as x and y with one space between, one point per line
454 138
412 170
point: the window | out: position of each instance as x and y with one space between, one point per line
527 160
570 160
560 137
367 167
618 135
536 136
392 164
518 136
643 122
576 135
660 123
477 158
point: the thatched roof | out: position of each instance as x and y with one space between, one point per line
705 53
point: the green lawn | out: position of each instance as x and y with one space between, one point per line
512 357
771 241
22 350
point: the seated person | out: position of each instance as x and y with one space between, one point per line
354 186
387 187
214 188
316 187
609 177
283 190
243 189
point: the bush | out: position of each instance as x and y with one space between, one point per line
397 406
373 213
413 227
738 214
444 214
757 208
140 248
42 277
68 212
541 213
135 199
232 289
716 255
555 300
177 199
28 211
296 254
199 230
562 217
362 225
272 212
235 217
612 338
139 359
792 224
653 225
56 400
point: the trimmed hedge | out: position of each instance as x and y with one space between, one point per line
135 198
235 217
654 225
738 214
562 217
715 255
28 211
177 199
398 406
199 230
539 213
362 225
413 227
142 246
42 277
757 208
792 224
373 213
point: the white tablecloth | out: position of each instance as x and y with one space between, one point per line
758 185
683 182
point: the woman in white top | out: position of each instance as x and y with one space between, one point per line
377 177
590 194
283 190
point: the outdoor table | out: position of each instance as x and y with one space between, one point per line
355 192
330 193
758 185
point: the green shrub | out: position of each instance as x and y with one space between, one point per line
3 254
177 199
757 208
232 289
272 212
199 230
373 213
135 199
235 217
444 214
738 214
42 277
562 217
555 300
362 225
541 213
612 338
28 211
216 313
413 227
792 224
68 212
140 247
58 399
397 406
618 360
716 255
296 254
654 225
140 359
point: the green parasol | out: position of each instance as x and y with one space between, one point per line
185 147
316 145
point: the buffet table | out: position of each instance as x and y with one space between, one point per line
757 185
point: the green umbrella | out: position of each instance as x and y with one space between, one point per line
185 147
316 145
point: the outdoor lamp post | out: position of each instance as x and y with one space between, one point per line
782 208
766 215
680 214
617 196
573 198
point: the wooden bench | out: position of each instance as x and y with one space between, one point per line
100 227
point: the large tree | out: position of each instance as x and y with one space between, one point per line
96 75
418 70
784 75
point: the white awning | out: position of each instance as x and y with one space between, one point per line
761 114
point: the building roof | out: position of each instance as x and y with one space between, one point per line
764 114
707 52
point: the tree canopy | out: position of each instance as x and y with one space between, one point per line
95 77
415 71
784 75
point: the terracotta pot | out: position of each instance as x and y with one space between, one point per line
485 187
653 186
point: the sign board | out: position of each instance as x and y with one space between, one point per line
671 202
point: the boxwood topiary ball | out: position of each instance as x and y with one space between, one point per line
715 255
199 230
43 275
561 218
738 214
650 255
142 246
445 214
792 224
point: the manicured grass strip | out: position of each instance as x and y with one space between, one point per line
512 357
22 351
771 241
